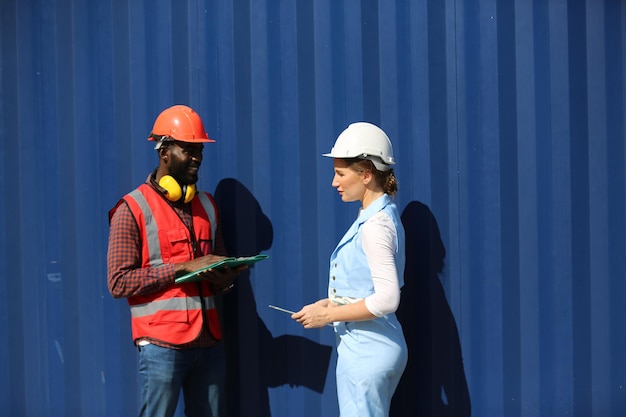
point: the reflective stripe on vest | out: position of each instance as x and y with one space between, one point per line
154 246
178 303
209 208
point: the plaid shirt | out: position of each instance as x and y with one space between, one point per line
125 275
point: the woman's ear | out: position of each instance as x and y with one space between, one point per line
367 176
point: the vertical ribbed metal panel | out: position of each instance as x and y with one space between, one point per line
507 120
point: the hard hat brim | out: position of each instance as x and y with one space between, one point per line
378 163
183 140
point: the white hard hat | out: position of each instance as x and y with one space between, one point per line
364 140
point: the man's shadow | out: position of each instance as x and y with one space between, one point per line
255 360
433 383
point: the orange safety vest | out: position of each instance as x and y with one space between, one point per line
173 315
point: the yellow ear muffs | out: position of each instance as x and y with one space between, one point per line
174 192
189 191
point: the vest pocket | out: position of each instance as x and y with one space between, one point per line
179 245
205 243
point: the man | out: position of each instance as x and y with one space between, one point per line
162 230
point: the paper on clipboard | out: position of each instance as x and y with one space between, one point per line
231 262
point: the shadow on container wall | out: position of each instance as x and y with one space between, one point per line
256 360
433 383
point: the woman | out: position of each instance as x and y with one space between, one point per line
366 274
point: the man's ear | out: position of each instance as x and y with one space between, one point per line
163 153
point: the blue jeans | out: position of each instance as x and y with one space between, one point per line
198 372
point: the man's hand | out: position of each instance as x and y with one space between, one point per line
221 278
196 264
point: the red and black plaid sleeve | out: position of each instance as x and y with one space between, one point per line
125 276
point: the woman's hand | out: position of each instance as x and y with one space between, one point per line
315 315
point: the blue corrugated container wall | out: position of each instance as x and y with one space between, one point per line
507 120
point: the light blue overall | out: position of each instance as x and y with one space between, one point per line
372 354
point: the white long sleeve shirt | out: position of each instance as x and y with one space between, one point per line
379 242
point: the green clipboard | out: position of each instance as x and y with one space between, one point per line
231 262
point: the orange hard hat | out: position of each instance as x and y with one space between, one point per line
181 123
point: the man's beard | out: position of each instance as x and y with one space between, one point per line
181 174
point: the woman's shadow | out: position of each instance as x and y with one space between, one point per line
433 383
256 360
